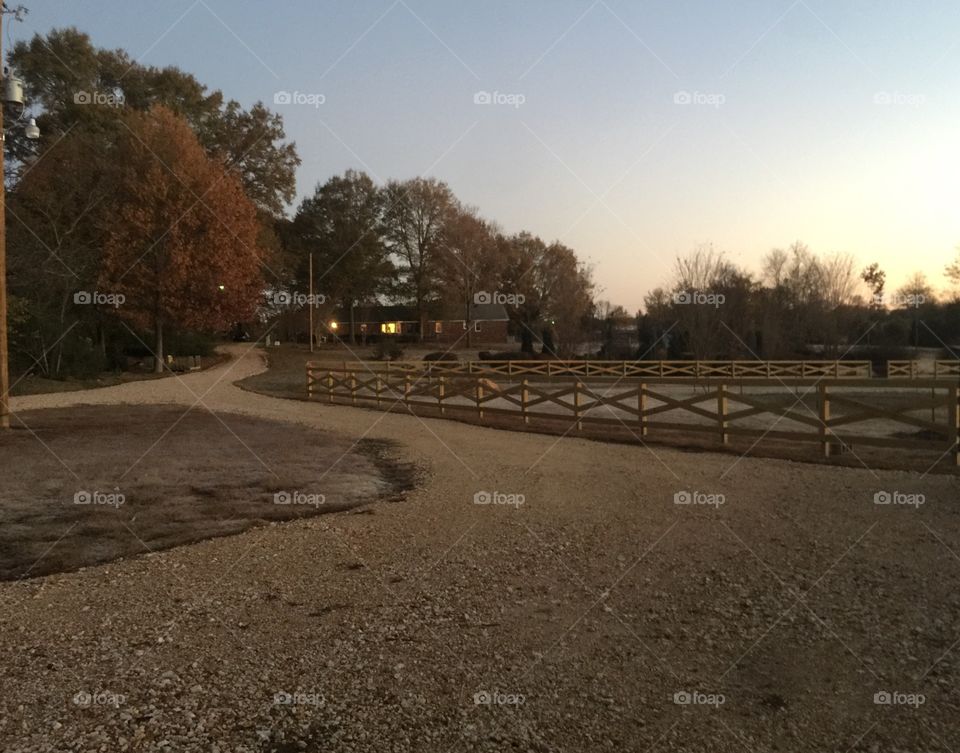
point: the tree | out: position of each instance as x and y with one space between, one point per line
876 280
55 219
953 271
415 222
182 246
556 290
341 225
468 265
70 84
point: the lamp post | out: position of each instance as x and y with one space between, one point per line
12 97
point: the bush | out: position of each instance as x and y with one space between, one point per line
387 351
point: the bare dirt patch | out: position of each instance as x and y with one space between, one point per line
107 483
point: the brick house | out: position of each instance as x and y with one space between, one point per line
488 323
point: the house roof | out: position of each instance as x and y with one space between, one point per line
479 312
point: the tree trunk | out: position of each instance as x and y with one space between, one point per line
469 323
158 347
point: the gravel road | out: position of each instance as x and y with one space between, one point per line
532 593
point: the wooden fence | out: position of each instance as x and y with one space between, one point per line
620 369
922 369
847 413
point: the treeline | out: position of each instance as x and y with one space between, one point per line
152 211
414 242
799 305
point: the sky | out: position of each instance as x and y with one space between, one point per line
631 130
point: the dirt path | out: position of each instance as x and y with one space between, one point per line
581 610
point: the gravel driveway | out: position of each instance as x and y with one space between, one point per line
531 594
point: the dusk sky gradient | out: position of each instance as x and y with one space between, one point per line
832 122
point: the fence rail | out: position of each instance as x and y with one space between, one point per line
922 369
620 369
847 412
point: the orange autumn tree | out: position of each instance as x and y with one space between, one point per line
181 243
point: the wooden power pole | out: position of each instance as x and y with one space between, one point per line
4 345
310 302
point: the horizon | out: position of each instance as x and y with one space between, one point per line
630 135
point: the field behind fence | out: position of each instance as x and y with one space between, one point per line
835 413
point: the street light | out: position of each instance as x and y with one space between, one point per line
12 99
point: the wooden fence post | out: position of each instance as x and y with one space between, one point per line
824 395
954 413
379 388
722 414
480 398
642 407
441 391
353 387
577 386
330 386
406 389
309 383
524 398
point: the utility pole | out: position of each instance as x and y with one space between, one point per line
310 302
13 95
4 347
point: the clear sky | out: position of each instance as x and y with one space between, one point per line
836 122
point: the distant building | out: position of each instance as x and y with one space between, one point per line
487 321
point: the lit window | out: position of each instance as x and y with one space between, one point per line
388 328
438 328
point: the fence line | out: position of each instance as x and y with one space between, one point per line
637 404
939 369
620 369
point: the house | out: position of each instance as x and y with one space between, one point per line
488 323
